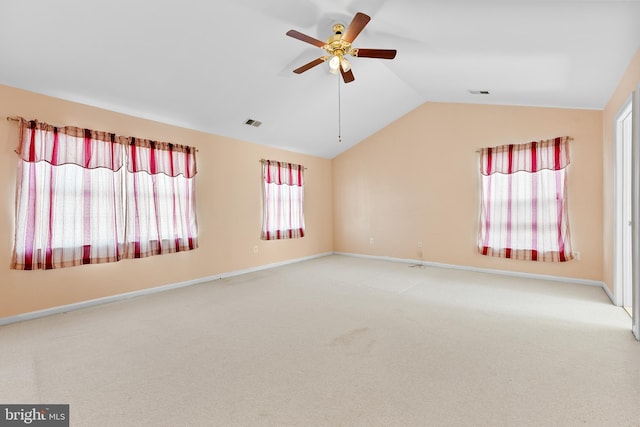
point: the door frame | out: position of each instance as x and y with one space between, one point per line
635 211
618 222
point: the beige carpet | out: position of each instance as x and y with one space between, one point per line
336 341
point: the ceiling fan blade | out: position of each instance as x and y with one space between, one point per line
347 76
309 65
305 38
357 24
376 53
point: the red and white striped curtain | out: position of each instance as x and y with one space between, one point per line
160 203
283 200
76 203
523 212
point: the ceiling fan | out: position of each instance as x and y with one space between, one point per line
339 45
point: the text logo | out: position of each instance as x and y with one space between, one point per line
34 415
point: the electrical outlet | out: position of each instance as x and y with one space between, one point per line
576 255
371 241
255 249
419 244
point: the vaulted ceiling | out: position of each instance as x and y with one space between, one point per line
211 65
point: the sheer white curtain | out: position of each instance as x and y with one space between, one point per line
76 203
283 200
523 212
69 197
160 203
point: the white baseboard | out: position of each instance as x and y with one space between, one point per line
149 291
606 290
488 270
274 265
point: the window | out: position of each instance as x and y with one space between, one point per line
523 212
160 203
283 200
87 197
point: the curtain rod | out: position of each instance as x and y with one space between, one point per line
569 138
17 119
264 160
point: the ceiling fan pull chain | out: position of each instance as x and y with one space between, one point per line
339 113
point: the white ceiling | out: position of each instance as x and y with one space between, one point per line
211 65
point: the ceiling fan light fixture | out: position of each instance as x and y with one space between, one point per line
334 64
345 64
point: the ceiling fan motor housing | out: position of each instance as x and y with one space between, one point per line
335 44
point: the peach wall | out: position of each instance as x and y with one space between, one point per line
228 206
417 180
628 84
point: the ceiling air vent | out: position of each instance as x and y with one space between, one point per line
478 92
254 123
